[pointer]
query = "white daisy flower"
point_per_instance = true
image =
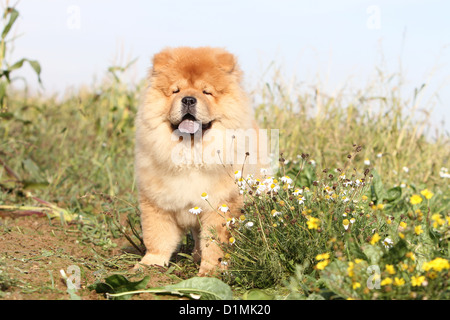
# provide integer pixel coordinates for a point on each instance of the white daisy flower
(297, 192)
(379, 155)
(367, 162)
(443, 173)
(406, 169)
(286, 179)
(204, 196)
(195, 210)
(274, 187)
(224, 208)
(300, 200)
(237, 174)
(261, 188)
(388, 243)
(231, 221)
(249, 224)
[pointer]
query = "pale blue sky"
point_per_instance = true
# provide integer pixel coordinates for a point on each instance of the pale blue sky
(331, 40)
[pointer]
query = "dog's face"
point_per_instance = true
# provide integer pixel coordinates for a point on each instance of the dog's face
(200, 87)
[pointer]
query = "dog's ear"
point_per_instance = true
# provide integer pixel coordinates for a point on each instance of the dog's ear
(228, 63)
(160, 60)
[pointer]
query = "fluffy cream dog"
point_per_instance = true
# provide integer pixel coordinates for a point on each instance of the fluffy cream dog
(194, 99)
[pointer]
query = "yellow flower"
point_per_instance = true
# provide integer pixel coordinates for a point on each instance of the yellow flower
(438, 221)
(350, 269)
(411, 256)
(364, 198)
(427, 194)
(356, 285)
(313, 223)
(358, 261)
(323, 256)
(375, 238)
(386, 281)
(403, 224)
(380, 206)
(390, 269)
(415, 199)
(322, 264)
(399, 282)
(437, 264)
(417, 281)
(232, 240)
(346, 222)
(418, 230)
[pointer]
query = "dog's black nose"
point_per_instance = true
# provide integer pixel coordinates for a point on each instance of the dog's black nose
(189, 101)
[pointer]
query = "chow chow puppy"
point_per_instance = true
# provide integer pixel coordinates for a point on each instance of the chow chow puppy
(185, 147)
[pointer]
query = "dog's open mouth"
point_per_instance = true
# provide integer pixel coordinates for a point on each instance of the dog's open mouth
(189, 124)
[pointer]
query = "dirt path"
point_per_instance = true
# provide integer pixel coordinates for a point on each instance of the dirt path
(33, 250)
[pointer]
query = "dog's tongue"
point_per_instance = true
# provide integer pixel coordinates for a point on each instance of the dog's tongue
(189, 126)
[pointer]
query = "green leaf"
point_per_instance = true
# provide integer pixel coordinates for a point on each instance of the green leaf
(33, 63)
(195, 288)
(32, 168)
(13, 14)
(119, 284)
(373, 253)
(206, 288)
(377, 188)
(257, 294)
(393, 194)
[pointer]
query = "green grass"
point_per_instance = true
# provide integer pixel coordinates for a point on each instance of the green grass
(77, 153)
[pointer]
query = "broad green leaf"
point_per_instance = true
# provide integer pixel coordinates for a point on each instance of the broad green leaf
(334, 277)
(257, 294)
(119, 284)
(377, 188)
(373, 252)
(195, 288)
(207, 288)
(393, 194)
